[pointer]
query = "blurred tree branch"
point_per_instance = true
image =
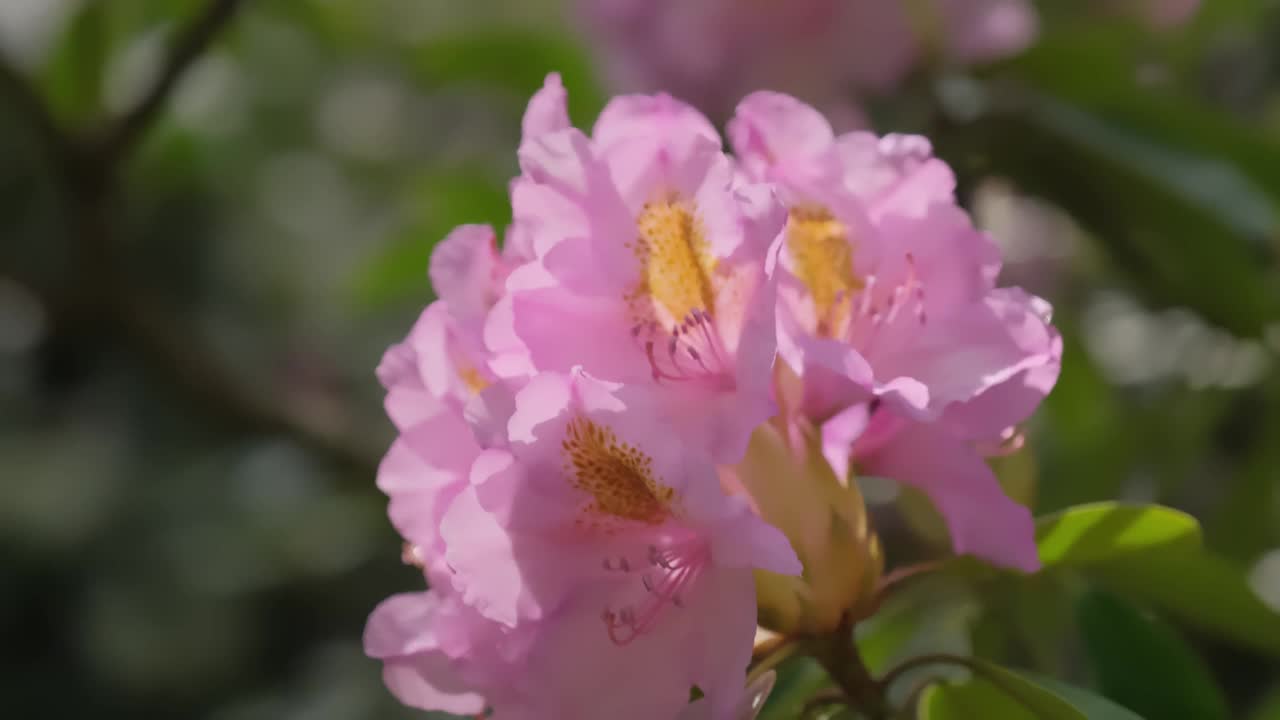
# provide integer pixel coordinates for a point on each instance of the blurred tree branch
(186, 48)
(88, 167)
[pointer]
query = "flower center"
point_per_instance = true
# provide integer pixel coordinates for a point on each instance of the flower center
(618, 477)
(473, 379)
(675, 262)
(823, 257)
(673, 304)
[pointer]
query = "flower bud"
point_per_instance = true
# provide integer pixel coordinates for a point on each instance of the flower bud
(794, 489)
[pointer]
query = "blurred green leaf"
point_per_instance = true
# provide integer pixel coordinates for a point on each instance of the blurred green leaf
(1187, 228)
(1093, 706)
(1269, 707)
(798, 680)
(439, 203)
(73, 76)
(516, 61)
(1203, 590)
(1153, 554)
(994, 693)
(1142, 664)
(928, 614)
(1110, 532)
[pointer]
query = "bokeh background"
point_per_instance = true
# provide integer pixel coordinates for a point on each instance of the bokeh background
(198, 277)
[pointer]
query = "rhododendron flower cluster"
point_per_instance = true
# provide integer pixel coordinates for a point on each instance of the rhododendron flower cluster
(641, 414)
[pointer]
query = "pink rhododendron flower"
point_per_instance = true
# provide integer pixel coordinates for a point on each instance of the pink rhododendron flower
(440, 654)
(651, 265)
(613, 540)
(429, 378)
(591, 467)
(713, 52)
(907, 354)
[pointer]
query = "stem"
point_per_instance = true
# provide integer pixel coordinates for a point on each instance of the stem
(839, 656)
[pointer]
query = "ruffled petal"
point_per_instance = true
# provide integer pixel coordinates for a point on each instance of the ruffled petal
(983, 521)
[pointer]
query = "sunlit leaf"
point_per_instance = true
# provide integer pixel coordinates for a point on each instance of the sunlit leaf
(1110, 532)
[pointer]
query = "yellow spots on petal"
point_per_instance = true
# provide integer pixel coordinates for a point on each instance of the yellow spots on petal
(823, 259)
(472, 379)
(675, 260)
(618, 476)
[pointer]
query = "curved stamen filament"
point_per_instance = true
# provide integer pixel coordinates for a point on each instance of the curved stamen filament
(671, 571)
(691, 351)
(869, 317)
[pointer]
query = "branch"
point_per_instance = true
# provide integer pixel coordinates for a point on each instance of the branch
(838, 654)
(194, 39)
(19, 92)
(104, 294)
(194, 370)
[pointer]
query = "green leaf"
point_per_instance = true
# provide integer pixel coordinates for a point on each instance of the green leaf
(514, 60)
(928, 614)
(73, 75)
(1093, 706)
(1188, 228)
(439, 203)
(1109, 532)
(1200, 589)
(994, 693)
(1142, 664)
(798, 680)
(1153, 554)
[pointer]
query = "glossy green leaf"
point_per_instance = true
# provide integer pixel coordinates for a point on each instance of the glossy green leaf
(1201, 590)
(798, 680)
(1153, 554)
(1142, 664)
(1110, 532)
(994, 693)
(1094, 707)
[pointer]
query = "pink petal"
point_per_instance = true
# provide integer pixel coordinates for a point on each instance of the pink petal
(562, 330)
(984, 30)
(424, 470)
(464, 267)
(982, 519)
(630, 116)
(839, 434)
(993, 410)
(547, 111)
(401, 626)
(977, 348)
(770, 128)
(429, 682)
